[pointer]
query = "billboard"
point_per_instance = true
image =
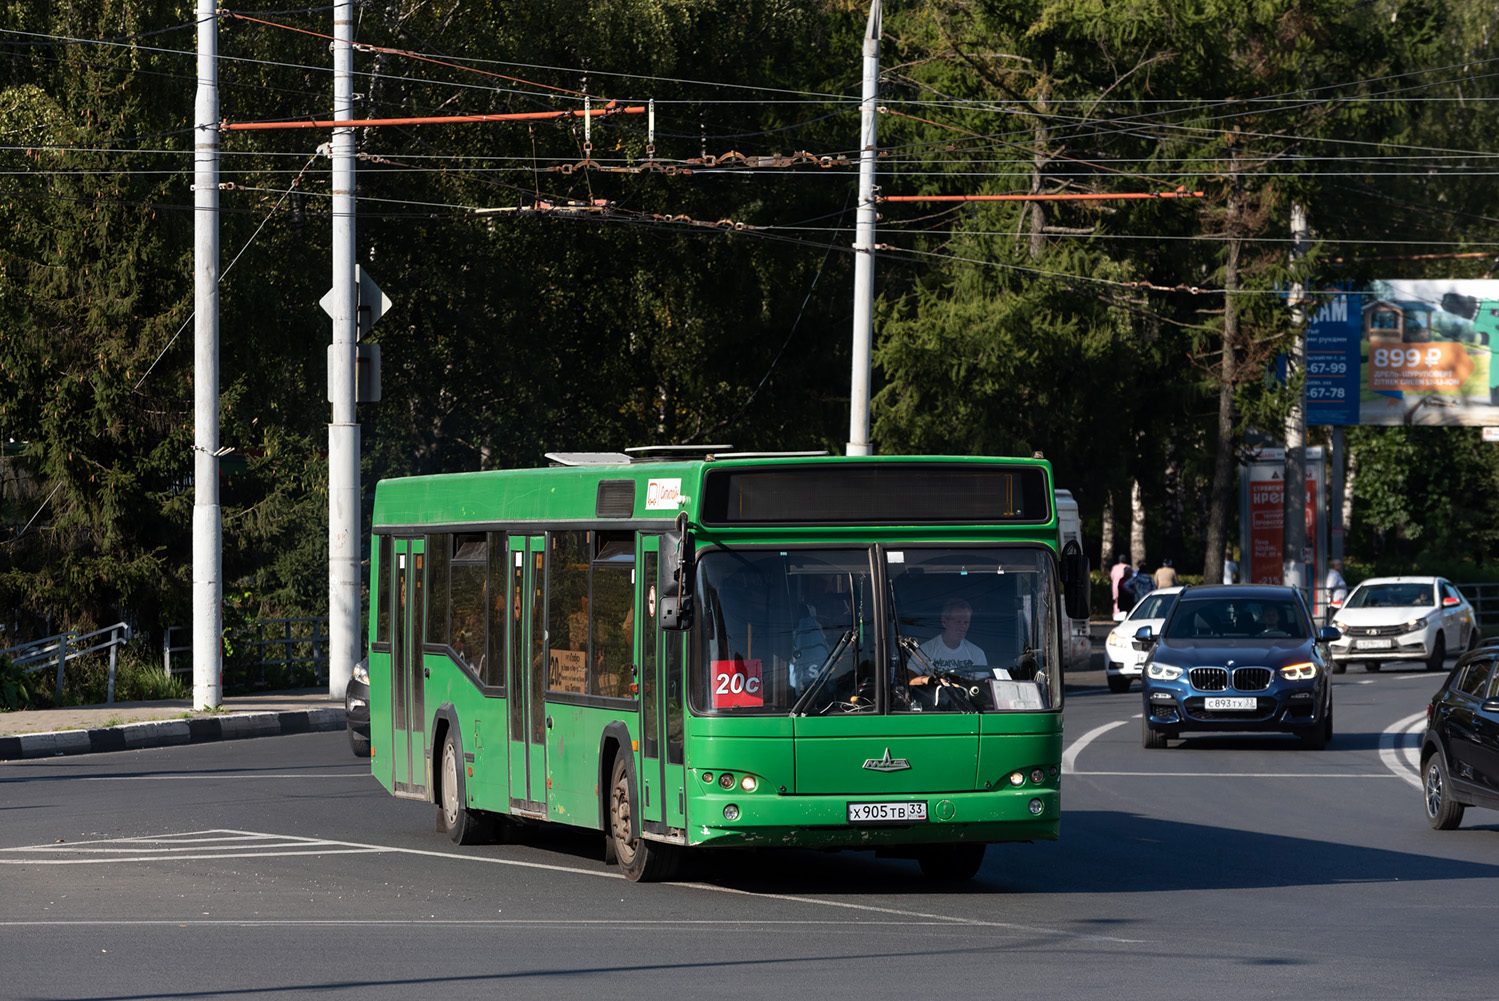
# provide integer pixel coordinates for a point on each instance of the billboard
(1405, 352)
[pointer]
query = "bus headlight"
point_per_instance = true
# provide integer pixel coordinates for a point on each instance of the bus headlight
(748, 783)
(731, 812)
(1036, 806)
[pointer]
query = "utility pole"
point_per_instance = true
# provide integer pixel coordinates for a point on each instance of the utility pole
(208, 526)
(858, 404)
(1293, 539)
(343, 433)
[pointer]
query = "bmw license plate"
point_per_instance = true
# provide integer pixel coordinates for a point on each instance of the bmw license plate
(1373, 644)
(886, 813)
(1229, 703)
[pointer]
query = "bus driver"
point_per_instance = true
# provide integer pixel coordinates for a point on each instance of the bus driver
(950, 650)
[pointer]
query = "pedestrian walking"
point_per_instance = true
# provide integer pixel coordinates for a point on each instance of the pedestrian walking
(1116, 574)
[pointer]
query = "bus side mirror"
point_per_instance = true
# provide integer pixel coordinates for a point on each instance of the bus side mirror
(1075, 583)
(675, 612)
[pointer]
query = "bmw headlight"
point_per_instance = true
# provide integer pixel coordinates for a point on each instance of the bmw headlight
(1157, 671)
(1299, 672)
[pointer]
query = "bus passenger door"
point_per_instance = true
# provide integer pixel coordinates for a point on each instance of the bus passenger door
(663, 773)
(408, 713)
(652, 778)
(527, 639)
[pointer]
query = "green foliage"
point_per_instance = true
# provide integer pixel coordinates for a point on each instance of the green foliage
(1424, 495)
(15, 686)
(1066, 327)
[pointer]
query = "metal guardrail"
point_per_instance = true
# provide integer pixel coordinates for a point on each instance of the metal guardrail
(297, 645)
(68, 646)
(1485, 601)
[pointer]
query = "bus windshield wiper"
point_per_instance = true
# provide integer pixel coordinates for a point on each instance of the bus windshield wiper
(822, 672)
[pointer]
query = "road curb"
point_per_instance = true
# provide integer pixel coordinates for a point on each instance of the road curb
(165, 733)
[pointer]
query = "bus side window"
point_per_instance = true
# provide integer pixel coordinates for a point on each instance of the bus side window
(612, 624)
(438, 548)
(567, 612)
(380, 599)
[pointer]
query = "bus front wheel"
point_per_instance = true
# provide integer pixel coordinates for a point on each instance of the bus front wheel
(462, 825)
(642, 861)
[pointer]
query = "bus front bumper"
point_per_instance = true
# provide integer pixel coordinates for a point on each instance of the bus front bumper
(1024, 814)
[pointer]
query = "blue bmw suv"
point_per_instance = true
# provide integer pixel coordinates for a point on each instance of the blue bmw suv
(1237, 658)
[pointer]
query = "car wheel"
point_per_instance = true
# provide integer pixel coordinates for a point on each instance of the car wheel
(1339, 666)
(642, 861)
(951, 862)
(1372, 666)
(462, 825)
(1150, 739)
(1118, 683)
(1317, 737)
(1438, 654)
(1473, 638)
(1442, 811)
(359, 744)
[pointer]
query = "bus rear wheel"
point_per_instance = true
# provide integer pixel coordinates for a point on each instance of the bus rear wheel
(951, 862)
(642, 861)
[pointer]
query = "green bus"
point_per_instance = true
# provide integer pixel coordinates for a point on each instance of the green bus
(702, 649)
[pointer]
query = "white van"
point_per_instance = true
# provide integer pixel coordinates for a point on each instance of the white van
(1078, 646)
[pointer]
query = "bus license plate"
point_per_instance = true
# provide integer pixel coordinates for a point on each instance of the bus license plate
(1230, 703)
(886, 813)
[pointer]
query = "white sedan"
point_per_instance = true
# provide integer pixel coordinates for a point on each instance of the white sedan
(1403, 618)
(1122, 662)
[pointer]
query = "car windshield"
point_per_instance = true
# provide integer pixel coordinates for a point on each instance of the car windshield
(1236, 618)
(800, 631)
(1402, 595)
(1153, 606)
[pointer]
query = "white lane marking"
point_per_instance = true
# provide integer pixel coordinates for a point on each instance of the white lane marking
(480, 922)
(221, 778)
(1242, 775)
(1069, 756)
(1400, 747)
(952, 921)
(87, 852)
(234, 842)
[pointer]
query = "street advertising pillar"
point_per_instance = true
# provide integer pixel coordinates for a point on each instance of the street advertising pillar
(1262, 520)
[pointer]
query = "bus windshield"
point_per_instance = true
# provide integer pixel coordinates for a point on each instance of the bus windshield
(802, 631)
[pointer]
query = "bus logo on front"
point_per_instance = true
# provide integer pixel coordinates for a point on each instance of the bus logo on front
(887, 763)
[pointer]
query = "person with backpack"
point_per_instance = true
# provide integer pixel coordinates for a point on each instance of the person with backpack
(1141, 583)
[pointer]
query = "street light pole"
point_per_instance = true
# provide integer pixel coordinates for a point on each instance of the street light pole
(858, 404)
(343, 432)
(208, 526)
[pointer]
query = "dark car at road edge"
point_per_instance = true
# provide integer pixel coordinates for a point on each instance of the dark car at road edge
(357, 709)
(1460, 751)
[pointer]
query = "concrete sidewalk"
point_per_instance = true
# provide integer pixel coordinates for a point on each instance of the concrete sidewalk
(122, 726)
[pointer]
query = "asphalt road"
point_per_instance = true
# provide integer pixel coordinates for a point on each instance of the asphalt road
(1229, 867)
